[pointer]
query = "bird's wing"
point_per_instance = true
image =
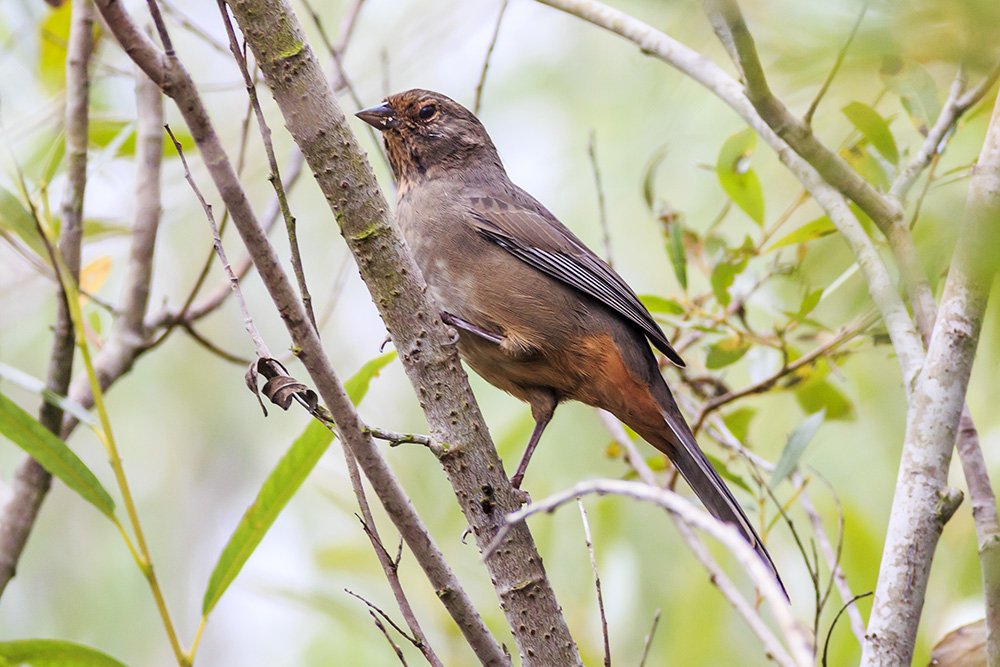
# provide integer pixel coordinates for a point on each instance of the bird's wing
(529, 232)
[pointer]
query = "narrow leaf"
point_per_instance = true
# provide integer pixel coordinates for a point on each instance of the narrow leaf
(916, 89)
(15, 217)
(278, 489)
(53, 653)
(33, 384)
(725, 474)
(24, 431)
(658, 304)
(867, 166)
(726, 352)
(649, 177)
(737, 178)
(357, 386)
(675, 249)
(795, 446)
(810, 231)
(874, 128)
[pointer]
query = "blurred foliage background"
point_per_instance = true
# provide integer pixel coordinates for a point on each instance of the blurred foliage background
(196, 446)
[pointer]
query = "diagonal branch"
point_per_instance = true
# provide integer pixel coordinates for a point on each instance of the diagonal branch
(318, 126)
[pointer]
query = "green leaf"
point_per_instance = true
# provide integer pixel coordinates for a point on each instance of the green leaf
(53, 38)
(795, 446)
(809, 302)
(675, 249)
(726, 352)
(94, 228)
(278, 489)
(819, 394)
(737, 178)
(874, 128)
(14, 217)
(53, 653)
(722, 278)
(738, 422)
(34, 385)
(658, 304)
(24, 431)
(724, 473)
(357, 386)
(867, 166)
(816, 229)
(119, 135)
(916, 89)
(649, 177)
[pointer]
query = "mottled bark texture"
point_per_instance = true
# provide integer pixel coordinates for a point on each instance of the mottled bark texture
(318, 125)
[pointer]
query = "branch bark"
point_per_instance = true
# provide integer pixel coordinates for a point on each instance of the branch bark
(318, 125)
(932, 421)
(31, 481)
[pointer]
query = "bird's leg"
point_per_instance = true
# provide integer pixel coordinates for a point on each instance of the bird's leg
(542, 414)
(459, 323)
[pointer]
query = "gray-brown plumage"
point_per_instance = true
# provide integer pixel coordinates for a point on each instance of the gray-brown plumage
(538, 314)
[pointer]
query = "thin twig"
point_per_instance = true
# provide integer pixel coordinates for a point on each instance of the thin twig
(789, 367)
(807, 118)
(275, 175)
(486, 61)
(602, 209)
(649, 639)
(31, 481)
(597, 582)
(847, 605)
(258, 342)
(696, 518)
(958, 102)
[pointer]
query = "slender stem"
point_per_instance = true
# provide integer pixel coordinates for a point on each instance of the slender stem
(486, 61)
(807, 118)
(106, 437)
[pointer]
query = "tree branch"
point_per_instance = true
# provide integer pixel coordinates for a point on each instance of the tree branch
(31, 481)
(696, 518)
(316, 122)
(904, 337)
(933, 419)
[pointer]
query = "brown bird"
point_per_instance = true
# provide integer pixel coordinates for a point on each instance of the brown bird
(538, 314)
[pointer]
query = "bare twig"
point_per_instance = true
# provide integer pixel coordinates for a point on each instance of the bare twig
(326, 129)
(695, 518)
(959, 101)
(31, 481)
(807, 118)
(597, 582)
(880, 283)
(389, 565)
(847, 605)
(486, 61)
(649, 638)
(275, 175)
(984, 511)
(602, 209)
(788, 367)
(260, 347)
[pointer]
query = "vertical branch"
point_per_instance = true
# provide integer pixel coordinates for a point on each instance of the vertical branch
(935, 408)
(984, 512)
(31, 481)
(486, 61)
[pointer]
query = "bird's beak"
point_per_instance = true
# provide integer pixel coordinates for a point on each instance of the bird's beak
(381, 117)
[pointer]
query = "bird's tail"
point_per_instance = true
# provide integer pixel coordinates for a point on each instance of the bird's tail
(679, 444)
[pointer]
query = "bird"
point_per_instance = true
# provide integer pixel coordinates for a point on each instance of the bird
(537, 313)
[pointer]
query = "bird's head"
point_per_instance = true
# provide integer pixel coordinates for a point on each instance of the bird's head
(428, 134)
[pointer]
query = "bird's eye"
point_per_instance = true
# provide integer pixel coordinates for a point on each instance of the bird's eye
(427, 111)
